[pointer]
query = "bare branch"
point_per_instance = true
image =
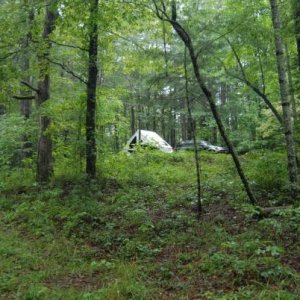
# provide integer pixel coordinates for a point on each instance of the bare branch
(66, 69)
(161, 13)
(126, 39)
(263, 96)
(30, 86)
(69, 46)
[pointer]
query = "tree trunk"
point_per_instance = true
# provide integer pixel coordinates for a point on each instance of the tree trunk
(25, 104)
(188, 43)
(163, 124)
(214, 135)
(291, 85)
(154, 119)
(284, 95)
(91, 91)
(193, 126)
(296, 10)
(44, 162)
(132, 120)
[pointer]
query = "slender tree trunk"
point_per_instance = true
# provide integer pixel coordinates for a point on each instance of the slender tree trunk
(163, 124)
(214, 135)
(132, 120)
(172, 128)
(284, 95)
(183, 126)
(91, 91)
(296, 10)
(188, 43)
(154, 119)
(45, 167)
(291, 85)
(193, 126)
(26, 104)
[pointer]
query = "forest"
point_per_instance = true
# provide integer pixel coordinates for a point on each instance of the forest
(149, 149)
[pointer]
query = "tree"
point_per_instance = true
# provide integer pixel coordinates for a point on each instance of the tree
(185, 37)
(44, 162)
(91, 90)
(284, 96)
(296, 12)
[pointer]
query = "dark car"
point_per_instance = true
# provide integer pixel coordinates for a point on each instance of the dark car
(202, 145)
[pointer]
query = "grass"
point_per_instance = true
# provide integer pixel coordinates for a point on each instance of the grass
(134, 235)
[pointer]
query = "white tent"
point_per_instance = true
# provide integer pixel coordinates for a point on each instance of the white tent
(148, 138)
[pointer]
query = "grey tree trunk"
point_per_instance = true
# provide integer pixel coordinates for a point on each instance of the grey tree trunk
(284, 95)
(193, 129)
(132, 120)
(296, 11)
(25, 104)
(44, 162)
(291, 85)
(91, 92)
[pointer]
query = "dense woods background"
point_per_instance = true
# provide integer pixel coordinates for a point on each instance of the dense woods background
(78, 78)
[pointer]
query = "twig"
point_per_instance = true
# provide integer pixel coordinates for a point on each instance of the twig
(69, 46)
(67, 70)
(30, 86)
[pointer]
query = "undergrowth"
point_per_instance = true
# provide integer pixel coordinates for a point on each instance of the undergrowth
(132, 234)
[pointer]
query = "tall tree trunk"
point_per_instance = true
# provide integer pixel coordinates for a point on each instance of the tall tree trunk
(154, 119)
(44, 162)
(163, 124)
(214, 135)
(25, 104)
(193, 126)
(291, 84)
(172, 139)
(284, 95)
(296, 10)
(91, 91)
(183, 126)
(132, 120)
(188, 43)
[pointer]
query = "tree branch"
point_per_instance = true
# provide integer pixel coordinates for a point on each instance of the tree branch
(24, 97)
(69, 46)
(126, 39)
(9, 54)
(245, 80)
(30, 86)
(67, 70)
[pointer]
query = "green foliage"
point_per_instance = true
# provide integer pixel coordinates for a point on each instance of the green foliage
(268, 173)
(12, 128)
(138, 238)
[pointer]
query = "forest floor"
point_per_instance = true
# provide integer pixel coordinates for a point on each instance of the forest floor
(134, 234)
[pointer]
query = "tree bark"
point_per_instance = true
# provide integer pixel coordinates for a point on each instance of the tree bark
(25, 105)
(284, 96)
(132, 120)
(291, 85)
(91, 91)
(163, 124)
(296, 11)
(44, 162)
(188, 43)
(193, 128)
